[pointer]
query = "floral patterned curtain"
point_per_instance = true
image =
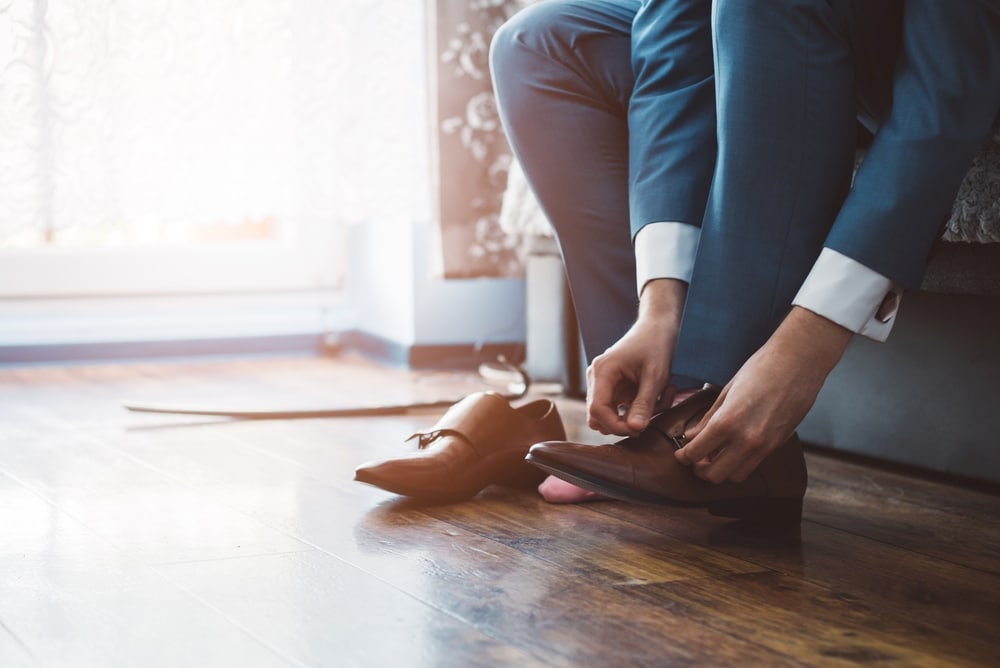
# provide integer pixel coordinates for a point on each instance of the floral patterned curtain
(473, 155)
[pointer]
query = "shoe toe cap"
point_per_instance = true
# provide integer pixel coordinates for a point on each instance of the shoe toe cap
(597, 460)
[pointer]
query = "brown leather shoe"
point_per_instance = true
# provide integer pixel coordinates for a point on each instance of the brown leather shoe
(644, 469)
(480, 441)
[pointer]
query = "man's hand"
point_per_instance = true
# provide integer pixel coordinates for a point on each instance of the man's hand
(634, 371)
(767, 398)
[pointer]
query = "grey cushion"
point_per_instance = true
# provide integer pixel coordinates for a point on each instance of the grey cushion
(976, 214)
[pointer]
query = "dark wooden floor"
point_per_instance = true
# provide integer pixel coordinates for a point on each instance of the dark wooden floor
(145, 540)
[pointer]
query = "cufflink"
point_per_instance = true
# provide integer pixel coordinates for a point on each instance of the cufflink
(887, 309)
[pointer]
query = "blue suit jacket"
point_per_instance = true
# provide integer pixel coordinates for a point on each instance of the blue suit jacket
(945, 98)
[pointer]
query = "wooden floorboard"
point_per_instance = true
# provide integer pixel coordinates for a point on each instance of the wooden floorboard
(159, 540)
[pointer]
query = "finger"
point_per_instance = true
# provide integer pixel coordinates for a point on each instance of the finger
(705, 436)
(603, 400)
(599, 400)
(703, 445)
(720, 466)
(693, 430)
(606, 426)
(644, 404)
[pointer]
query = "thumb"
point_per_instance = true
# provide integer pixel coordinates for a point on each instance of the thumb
(642, 407)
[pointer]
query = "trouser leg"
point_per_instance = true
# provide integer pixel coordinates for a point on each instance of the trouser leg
(785, 72)
(562, 75)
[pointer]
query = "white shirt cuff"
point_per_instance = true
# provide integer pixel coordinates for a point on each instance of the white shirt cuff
(665, 250)
(850, 294)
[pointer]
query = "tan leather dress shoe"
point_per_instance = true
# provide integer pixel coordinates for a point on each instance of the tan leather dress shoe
(480, 441)
(643, 469)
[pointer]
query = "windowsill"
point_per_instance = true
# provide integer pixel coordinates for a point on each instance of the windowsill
(38, 330)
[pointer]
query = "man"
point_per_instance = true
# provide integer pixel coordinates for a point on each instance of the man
(702, 154)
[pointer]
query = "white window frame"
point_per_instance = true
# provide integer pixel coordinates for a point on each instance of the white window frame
(78, 296)
(313, 261)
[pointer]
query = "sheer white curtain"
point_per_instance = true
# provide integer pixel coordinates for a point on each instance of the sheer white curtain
(180, 124)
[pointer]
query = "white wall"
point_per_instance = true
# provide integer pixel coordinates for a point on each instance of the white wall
(396, 295)
(392, 279)
(459, 311)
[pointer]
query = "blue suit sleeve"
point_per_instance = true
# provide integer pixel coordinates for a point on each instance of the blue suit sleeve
(946, 94)
(671, 114)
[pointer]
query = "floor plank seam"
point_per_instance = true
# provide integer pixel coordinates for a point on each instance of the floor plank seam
(235, 623)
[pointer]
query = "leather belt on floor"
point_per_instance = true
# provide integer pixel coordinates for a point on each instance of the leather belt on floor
(515, 390)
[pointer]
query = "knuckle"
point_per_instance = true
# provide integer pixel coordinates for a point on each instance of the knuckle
(724, 425)
(754, 439)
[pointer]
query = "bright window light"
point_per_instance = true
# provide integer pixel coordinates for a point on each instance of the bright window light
(149, 146)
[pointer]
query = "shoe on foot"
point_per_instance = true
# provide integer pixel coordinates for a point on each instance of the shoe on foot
(643, 469)
(557, 490)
